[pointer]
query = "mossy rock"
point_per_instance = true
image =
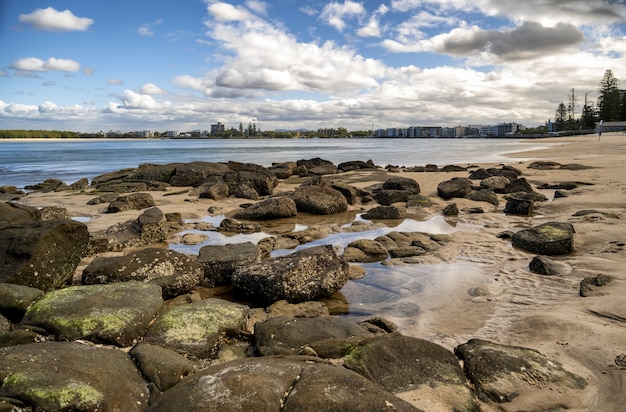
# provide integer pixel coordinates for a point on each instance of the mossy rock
(553, 238)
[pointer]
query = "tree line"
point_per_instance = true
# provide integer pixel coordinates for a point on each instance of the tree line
(37, 134)
(610, 106)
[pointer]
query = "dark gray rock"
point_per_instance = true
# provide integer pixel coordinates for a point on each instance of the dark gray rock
(484, 195)
(546, 266)
(455, 187)
(502, 373)
(451, 210)
(162, 366)
(195, 173)
(589, 285)
(43, 255)
(552, 238)
(402, 183)
(69, 376)
(133, 201)
(518, 185)
(288, 335)
(356, 165)
(197, 328)
(521, 207)
(15, 299)
(495, 183)
(272, 208)
(389, 197)
(479, 174)
(119, 313)
(213, 187)
(385, 212)
(319, 200)
(304, 275)
(15, 213)
(48, 185)
(219, 262)
(402, 364)
(418, 201)
(285, 384)
(174, 272)
(373, 249)
(351, 193)
(234, 226)
(453, 168)
(544, 165)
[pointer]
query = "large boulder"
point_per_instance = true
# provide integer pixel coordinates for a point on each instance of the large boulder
(385, 212)
(373, 249)
(402, 183)
(119, 313)
(522, 207)
(288, 335)
(196, 328)
(150, 227)
(356, 165)
(278, 384)
(319, 200)
(162, 366)
(272, 208)
(455, 187)
(307, 274)
(219, 262)
(133, 201)
(388, 197)
(484, 195)
(504, 374)
(195, 173)
(175, 272)
(247, 175)
(43, 255)
(15, 299)
(214, 187)
(415, 370)
(15, 213)
(553, 238)
(69, 376)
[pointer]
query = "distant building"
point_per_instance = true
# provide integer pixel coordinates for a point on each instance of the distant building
(327, 132)
(144, 133)
(172, 133)
(217, 129)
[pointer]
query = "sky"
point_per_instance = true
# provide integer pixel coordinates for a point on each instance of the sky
(287, 64)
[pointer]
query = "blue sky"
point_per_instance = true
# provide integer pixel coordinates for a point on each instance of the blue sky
(164, 65)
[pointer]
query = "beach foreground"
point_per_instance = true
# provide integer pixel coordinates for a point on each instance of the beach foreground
(503, 301)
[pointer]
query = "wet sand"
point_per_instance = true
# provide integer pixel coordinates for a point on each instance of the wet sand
(479, 286)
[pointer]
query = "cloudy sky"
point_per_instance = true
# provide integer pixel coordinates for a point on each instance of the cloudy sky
(165, 65)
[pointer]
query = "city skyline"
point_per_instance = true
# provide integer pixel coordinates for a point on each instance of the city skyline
(159, 65)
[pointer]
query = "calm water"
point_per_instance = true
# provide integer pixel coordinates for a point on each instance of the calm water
(29, 162)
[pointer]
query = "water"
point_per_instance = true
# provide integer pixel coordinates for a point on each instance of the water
(27, 162)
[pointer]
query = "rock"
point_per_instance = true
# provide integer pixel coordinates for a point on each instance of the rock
(233, 226)
(402, 183)
(544, 165)
(552, 238)
(518, 185)
(219, 262)
(495, 183)
(176, 273)
(456, 187)
(195, 173)
(308, 309)
(406, 251)
(69, 376)
(213, 187)
(502, 374)
(196, 328)
(194, 238)
(453, 168)
(389, 197)
(304, 275)
(105, 198)
(521, 207)
(418, 201)
(319, 200)
(505, 172)
(589, 285)
(285, 384)
(133, 201)
(373, 249)
(16, 213)
(385, 212)
(451, 210)
(162, 366)
(48, 185)
(559, 194)
(356, 165)
(272, 208)
(80, 184)
(414, 369)
(479, 174)
(543, 265)
(43, 255)
(484, 195)
(119, 313)
(352, 254)
(287, 335)
(475, 210)
(15, 299)
(351, 193)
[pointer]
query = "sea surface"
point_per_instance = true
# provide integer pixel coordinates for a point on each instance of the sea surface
(26, 162)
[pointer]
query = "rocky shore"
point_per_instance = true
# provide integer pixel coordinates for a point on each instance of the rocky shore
(99, 311)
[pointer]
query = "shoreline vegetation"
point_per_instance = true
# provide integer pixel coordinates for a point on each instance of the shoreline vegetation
(555, 334)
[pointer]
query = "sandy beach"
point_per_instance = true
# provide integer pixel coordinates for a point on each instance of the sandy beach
(513, 305)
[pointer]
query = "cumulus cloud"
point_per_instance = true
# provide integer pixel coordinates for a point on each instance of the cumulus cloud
(54, 20)
(34, 64)
(335, 14)
(372, 28)
(150, 88)
(530, 39)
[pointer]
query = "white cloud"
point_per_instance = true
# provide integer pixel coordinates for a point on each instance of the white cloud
(150, 88)
(228, 12)
(146, 29)
(372, 28)
(52, 19)
(335, 14)
(115, 82)
(257, 6)
(34, 64)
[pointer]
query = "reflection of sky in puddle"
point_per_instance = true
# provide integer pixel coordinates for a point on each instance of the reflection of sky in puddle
(436, 225)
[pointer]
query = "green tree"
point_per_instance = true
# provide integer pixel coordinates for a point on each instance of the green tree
(609, 98)
(622, 113)
(560, 116)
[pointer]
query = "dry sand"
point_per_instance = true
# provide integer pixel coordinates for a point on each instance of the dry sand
(516, 306)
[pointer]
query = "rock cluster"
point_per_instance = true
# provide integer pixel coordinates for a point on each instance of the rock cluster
(190, 344)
